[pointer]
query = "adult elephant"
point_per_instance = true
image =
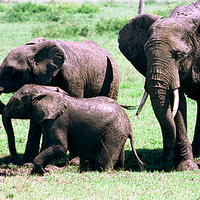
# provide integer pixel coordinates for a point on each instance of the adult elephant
(167, 52)
(82, 69)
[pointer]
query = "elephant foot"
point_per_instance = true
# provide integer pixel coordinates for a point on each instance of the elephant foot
(74, 161)
(37, 170)
(186, 165)
(25, 161)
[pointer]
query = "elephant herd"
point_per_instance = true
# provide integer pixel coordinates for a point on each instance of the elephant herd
(68, 90)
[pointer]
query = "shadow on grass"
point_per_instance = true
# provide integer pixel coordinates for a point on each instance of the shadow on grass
(153, 158)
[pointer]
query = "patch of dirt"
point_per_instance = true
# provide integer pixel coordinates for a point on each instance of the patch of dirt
(14, 170)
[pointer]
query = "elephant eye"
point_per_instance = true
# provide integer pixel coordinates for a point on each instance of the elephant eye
(177, 55)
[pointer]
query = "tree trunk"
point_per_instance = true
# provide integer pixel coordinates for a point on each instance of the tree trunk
(141, 7)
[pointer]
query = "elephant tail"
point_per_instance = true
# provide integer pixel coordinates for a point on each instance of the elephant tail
(141, 164)
(128, 107)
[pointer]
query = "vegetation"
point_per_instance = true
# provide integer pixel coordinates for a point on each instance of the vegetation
(101, 22)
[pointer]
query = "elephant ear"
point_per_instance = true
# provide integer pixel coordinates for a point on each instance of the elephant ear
(46, 61)
(35, 41)
(49, 105)
(132, 38)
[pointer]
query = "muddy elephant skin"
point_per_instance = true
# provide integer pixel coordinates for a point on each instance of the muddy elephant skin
(95, 129)
(167, 52)
(82, 69)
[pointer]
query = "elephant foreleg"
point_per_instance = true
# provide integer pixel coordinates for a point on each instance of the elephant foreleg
(183, 150)
(33, 143)
(51, 152)
(55, 145)
(196, 139)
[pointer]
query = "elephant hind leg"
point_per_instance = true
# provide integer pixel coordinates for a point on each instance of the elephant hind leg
(121, 160)
(108, 156)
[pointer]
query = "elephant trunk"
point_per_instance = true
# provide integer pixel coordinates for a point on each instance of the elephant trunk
(11, 138)
(162, 83)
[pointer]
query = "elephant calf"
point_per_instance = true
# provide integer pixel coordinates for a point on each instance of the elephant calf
(95, 129)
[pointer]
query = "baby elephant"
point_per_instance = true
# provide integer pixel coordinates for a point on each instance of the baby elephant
(95, 129)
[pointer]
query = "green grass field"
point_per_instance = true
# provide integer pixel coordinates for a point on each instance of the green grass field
(101, 22)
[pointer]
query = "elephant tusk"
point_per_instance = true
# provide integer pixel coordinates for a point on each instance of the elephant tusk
(144, 98)
(176, 103)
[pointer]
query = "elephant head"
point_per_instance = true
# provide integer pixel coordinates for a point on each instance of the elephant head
(32, 102)
(36, 62)
(167, 52)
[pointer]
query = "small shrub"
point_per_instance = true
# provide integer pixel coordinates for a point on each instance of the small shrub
(110, 25)
(73, 8)
(68, 7)
(87, 8)
(3, 8)
(52, 16)
(23, 11)
(56, 30)
(29, 7)
(151, 2)
(16, 17)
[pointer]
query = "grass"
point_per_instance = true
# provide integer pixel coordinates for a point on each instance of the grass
(159, 180)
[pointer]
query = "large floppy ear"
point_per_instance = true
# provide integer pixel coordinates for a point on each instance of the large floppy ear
(45, 61)
(48, 106)
(132, 38)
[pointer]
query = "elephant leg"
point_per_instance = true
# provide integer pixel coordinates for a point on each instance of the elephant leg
(55, 145)
(50, 153)
(33, 143)
(121, 160)
(196, 139)
(108, 155)
(183, 159)
(73, 159)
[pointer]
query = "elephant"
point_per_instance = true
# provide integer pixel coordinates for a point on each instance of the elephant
(82, 69)
(95, 129)
(166, 51)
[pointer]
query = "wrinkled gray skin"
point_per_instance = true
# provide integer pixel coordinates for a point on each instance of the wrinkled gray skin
(95, 129)
(167, 52)
(82, 69)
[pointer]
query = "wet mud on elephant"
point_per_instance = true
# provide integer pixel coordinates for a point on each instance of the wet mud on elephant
(82, 69)
(167, 52)
(95, 129)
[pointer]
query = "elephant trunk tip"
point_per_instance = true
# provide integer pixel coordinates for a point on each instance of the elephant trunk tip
(144, 98)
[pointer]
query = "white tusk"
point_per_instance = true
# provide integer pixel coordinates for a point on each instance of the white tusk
(176, 103)
(144, 98)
